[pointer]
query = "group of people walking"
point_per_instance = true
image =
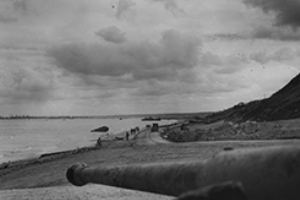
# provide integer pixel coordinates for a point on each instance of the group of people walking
(132, 132)
(128, 134)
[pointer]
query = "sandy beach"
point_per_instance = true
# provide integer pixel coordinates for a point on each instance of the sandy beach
(48, 173)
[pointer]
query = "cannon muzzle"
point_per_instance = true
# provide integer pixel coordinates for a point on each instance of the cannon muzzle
(266, 174)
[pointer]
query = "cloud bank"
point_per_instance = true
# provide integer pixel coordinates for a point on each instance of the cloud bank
(104, 57)
(287, 12)
(112, 34)
(172, 6)
(139, 60)
(123, 6)
(25, 85)
(275, 33)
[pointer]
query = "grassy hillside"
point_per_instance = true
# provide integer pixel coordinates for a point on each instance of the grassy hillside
(284, 104)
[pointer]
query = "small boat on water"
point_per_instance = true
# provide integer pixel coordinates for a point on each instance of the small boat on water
(101, 129)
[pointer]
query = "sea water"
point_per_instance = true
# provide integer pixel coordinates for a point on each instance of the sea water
(22, 139)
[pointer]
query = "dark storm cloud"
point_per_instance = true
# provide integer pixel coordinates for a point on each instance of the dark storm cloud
(112, 34)
(141, 61)
(287, 12)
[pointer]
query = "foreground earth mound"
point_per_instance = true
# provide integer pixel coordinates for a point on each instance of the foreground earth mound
(90, 192)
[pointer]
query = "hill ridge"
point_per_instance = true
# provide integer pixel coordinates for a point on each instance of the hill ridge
(283, 104)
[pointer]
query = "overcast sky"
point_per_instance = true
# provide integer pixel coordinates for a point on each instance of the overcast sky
(98, 57)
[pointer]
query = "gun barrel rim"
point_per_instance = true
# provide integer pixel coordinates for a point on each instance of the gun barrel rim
(73, 175)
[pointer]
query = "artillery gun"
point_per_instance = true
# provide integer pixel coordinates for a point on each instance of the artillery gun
(256, 174)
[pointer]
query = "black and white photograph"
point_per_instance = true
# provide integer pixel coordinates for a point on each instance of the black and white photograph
(150, 99)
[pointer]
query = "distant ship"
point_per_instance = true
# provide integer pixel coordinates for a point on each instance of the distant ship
(151, 119)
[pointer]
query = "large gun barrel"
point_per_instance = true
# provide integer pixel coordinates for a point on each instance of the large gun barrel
(266, 174)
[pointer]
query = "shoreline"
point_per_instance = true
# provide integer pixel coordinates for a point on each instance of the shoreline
(18, 146)
(111, 139)
(44, 157)
(50, 170)
(106, 138)
(144, 147)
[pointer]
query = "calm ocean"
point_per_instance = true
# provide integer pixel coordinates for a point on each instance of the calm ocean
(20, 139)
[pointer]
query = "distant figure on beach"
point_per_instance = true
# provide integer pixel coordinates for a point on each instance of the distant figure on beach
(127, 135)
(99, 142)
(132, 131)
(183, 127)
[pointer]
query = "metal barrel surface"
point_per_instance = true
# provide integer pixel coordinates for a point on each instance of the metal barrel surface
(266, 174)
(221, 191)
